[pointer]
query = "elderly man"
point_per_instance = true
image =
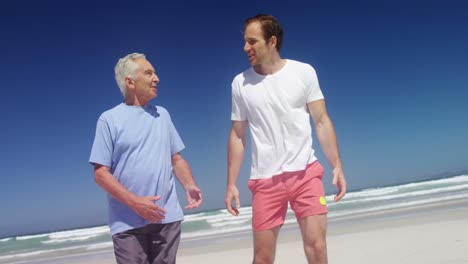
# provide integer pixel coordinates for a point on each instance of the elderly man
(136, 152)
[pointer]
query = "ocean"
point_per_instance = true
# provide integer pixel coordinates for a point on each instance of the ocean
(215, 222)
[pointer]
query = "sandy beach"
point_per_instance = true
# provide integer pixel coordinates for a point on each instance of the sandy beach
(435, 233)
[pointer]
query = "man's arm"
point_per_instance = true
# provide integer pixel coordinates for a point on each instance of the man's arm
(184, 174)
(144, 206)
(327, 139)
(236, 148)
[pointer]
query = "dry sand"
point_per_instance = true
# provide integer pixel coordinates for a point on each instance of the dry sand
(427, 234)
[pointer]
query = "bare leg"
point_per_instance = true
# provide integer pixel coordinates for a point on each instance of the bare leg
(314, 229)
(265, 245)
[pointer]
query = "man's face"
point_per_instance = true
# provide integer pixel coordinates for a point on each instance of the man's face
(255, 45)
(145, 81)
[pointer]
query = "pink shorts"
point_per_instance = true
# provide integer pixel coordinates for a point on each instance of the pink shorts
(302, 189)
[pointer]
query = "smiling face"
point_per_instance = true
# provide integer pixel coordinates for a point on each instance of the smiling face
(258, 50)
(144, 84)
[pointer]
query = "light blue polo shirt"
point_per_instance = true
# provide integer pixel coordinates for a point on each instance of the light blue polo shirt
(137, 143)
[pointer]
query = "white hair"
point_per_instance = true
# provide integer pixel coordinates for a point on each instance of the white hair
(126, 67)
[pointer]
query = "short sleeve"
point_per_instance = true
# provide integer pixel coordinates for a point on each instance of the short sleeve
(313, 91)
(177, 145)
(103, 147)
(238, 110)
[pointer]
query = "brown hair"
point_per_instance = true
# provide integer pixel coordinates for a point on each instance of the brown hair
(270, 28)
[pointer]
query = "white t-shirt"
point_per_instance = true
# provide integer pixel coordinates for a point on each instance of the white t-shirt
(275, 106)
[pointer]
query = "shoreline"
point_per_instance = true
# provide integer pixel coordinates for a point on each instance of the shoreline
(415, 234)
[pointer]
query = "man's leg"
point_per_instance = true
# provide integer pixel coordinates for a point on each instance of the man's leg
(165, 240)
(307, 200)
(314, 229)
(269, 206)
(130, 247)
(265, 245)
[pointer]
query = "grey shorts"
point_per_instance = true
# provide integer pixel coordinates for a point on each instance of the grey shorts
(151, 244)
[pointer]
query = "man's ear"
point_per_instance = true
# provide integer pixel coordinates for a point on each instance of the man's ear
(129, 83)
(273, 41)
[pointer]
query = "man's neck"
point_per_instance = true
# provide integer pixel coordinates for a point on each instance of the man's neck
(133, 100)
(271, 66)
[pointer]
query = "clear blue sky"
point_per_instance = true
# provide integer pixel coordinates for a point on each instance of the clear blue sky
(394, 77)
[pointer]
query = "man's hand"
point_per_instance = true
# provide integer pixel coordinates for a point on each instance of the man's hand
(232, 194)
(340, 181)
(145, 207)
(194, 197)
